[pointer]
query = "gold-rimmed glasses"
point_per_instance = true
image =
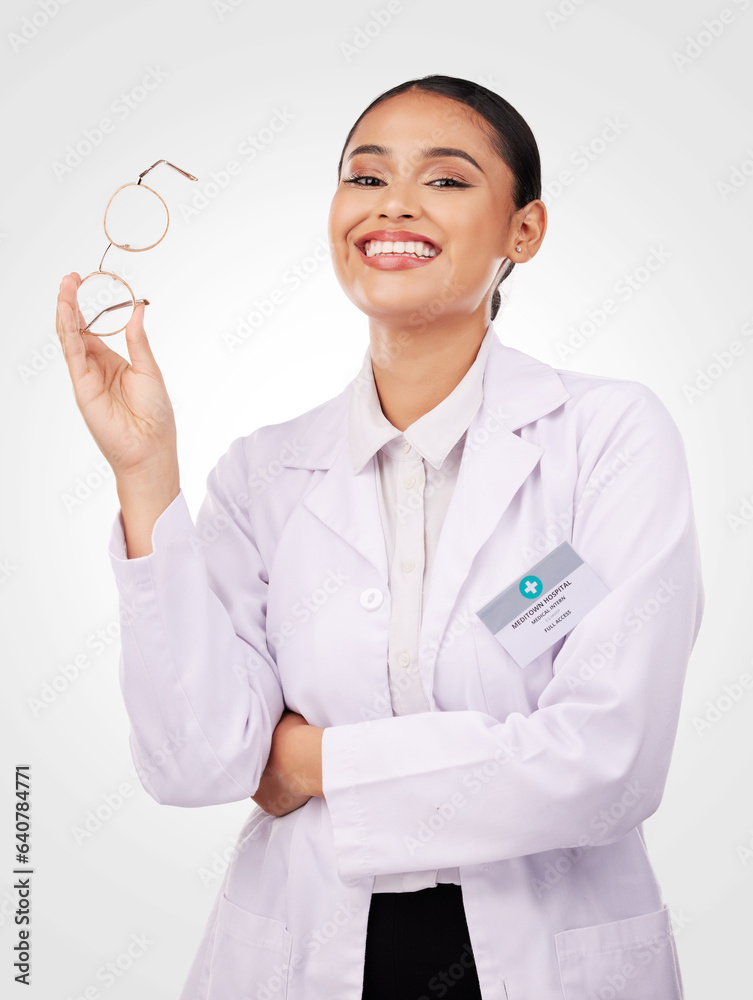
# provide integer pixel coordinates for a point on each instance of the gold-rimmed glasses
(136, 219)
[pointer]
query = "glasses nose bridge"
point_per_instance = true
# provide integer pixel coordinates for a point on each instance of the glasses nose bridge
(102, 260)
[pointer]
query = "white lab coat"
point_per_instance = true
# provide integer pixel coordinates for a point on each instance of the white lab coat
(534, 781)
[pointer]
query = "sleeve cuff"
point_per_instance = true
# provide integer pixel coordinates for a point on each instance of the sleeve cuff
(175, 522)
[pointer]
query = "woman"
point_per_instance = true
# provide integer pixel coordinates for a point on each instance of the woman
(442, 810)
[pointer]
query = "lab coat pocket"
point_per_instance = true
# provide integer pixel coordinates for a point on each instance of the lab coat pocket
(633, 959)
(250, 955)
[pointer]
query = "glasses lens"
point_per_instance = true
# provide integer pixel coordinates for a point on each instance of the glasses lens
(105, 303)
(136, 218)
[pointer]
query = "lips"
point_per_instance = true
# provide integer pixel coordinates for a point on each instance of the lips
(393, 236)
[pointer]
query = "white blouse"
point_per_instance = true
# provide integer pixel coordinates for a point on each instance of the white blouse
(416, 473)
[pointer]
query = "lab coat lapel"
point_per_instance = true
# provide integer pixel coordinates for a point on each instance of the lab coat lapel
(494, 465)
(348, 505)
(342, 501)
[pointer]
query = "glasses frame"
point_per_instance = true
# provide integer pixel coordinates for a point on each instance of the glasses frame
(124, 246)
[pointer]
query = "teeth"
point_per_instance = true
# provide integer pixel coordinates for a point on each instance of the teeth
(415, 248)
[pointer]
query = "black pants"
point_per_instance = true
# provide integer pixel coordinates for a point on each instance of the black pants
(418, 947)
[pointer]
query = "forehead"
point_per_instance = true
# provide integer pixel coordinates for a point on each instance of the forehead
(419, 118)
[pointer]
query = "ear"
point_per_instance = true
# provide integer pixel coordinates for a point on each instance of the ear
(529, 231)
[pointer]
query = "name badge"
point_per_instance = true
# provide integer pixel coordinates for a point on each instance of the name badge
(539, 608)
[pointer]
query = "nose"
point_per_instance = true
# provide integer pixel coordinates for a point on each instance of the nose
(400, 200)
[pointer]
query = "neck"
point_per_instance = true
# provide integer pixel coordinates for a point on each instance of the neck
(415, 368)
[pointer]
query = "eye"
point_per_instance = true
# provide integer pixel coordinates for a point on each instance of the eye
(357, 178)
(448, 182)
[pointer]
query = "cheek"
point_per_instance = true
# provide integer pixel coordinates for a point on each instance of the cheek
(337, 230)
(333, 222)
(478, 254)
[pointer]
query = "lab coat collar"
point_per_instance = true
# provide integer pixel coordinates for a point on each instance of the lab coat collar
(517, 388)
(433, 435)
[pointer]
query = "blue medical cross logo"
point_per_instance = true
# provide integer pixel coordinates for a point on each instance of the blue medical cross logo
(531, 586)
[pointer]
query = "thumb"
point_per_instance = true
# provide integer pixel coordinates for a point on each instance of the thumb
(139, 351)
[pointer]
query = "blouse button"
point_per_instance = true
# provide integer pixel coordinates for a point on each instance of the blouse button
(408, 566)
(404, 659)
(409, 482)
(372, 599)
(406, 448)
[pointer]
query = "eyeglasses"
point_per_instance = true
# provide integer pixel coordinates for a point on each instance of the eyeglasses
(136, 219)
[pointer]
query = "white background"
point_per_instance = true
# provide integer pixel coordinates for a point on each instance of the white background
(685, 125)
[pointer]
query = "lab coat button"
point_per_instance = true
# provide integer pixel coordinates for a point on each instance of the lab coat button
(409, 482)
(404, 659)
(372, 599)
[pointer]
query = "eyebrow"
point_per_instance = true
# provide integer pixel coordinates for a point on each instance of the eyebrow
(428, 152)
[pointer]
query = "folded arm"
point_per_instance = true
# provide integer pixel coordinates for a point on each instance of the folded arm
(438, 789)
(200, 687)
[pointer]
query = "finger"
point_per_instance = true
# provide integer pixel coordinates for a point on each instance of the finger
(138, 346)
(93, 345)
(68, 289)
(72, 342)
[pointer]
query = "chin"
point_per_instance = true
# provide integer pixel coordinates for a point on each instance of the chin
(400, 313)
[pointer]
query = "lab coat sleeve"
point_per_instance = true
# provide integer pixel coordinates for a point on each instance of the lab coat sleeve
(200, 687)
(438, 789)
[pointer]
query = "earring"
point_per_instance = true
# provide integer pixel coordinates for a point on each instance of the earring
(518, 249)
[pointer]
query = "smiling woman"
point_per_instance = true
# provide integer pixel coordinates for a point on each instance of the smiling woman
(437, 808)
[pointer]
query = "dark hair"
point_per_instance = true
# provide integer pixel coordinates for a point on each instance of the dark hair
(510, 135)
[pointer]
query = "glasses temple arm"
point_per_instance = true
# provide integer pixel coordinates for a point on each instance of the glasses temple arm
(184, 172)
(120, 305)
